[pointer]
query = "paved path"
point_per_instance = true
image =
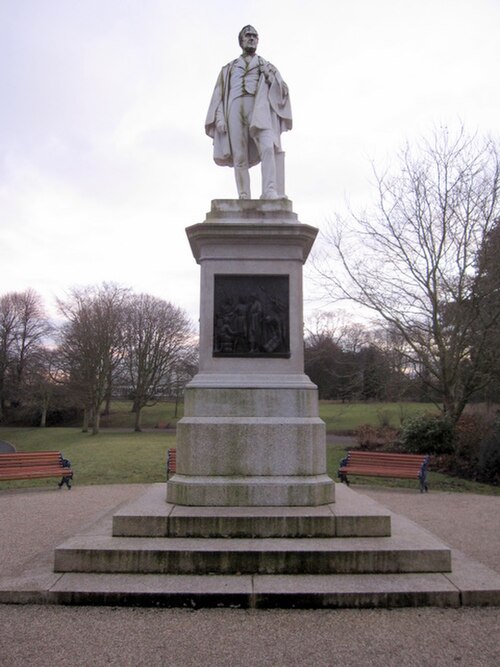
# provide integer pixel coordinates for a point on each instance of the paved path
(32, 522)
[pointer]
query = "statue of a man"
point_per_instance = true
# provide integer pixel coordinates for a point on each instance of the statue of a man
(249, 110)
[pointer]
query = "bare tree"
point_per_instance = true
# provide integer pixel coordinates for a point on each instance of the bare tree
(352, 361)
(92, 344)
(332, 346)
(23, 330)
(7, 339)
(412, 260)
(184, 370)
(41, 388)
(156, 336)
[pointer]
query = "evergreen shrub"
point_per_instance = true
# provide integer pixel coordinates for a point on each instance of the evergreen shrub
(427, 434)
(488, 466)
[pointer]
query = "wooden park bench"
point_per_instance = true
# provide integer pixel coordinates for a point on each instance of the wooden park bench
(35, 465)
(385, 464)
(171, 461)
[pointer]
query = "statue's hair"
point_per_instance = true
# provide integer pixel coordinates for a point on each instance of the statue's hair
(240, 34)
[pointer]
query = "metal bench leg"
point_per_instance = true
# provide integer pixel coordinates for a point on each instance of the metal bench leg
(65, 480)
(343, 478)
(423, 484)
(423, 475)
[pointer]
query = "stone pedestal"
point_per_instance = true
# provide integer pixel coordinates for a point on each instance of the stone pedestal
(251, 434)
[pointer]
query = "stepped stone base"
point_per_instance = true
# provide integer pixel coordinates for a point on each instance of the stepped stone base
(150, 536)
(247, 556)
(352, 536)
(409, 567)
(352, 515)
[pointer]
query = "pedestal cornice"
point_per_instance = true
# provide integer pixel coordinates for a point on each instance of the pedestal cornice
(251, 222)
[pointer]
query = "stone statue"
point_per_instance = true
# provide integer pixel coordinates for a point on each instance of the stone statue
(249, 110)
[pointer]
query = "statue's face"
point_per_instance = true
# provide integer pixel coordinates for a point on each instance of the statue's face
(249, 40)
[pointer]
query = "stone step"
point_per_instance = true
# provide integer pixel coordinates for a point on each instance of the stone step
(410, 549)
(352, 515)
(261, 591)
(470, 583)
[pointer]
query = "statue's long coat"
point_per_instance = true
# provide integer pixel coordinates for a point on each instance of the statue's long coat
(272, 111)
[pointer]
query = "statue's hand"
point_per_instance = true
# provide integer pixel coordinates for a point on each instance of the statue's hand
(221, 126)
(268, 72)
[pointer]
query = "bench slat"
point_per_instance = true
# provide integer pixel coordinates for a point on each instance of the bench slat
(27, 458)
(380, 472)
(33, 464)
(36, 474)
(382, 456)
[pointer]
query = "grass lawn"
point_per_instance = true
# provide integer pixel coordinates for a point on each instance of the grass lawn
(106, 458)
(155, 416)
(131, 458)
(337, 416)
(348, 416)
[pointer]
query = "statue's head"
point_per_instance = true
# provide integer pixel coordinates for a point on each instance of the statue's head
(248, 39)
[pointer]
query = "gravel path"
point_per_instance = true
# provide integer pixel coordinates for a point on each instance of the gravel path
(31, 525)
(465, 521)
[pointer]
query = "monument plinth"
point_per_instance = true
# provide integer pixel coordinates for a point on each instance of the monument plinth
(251, 504)
(251, 434)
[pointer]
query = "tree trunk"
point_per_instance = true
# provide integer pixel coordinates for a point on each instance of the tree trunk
(85, 425)
(453, 408)
(137, 425)
(97, 419)
(107, 398)
(107, 406)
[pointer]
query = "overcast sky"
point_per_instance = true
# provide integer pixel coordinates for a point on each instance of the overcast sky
(103, 157)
